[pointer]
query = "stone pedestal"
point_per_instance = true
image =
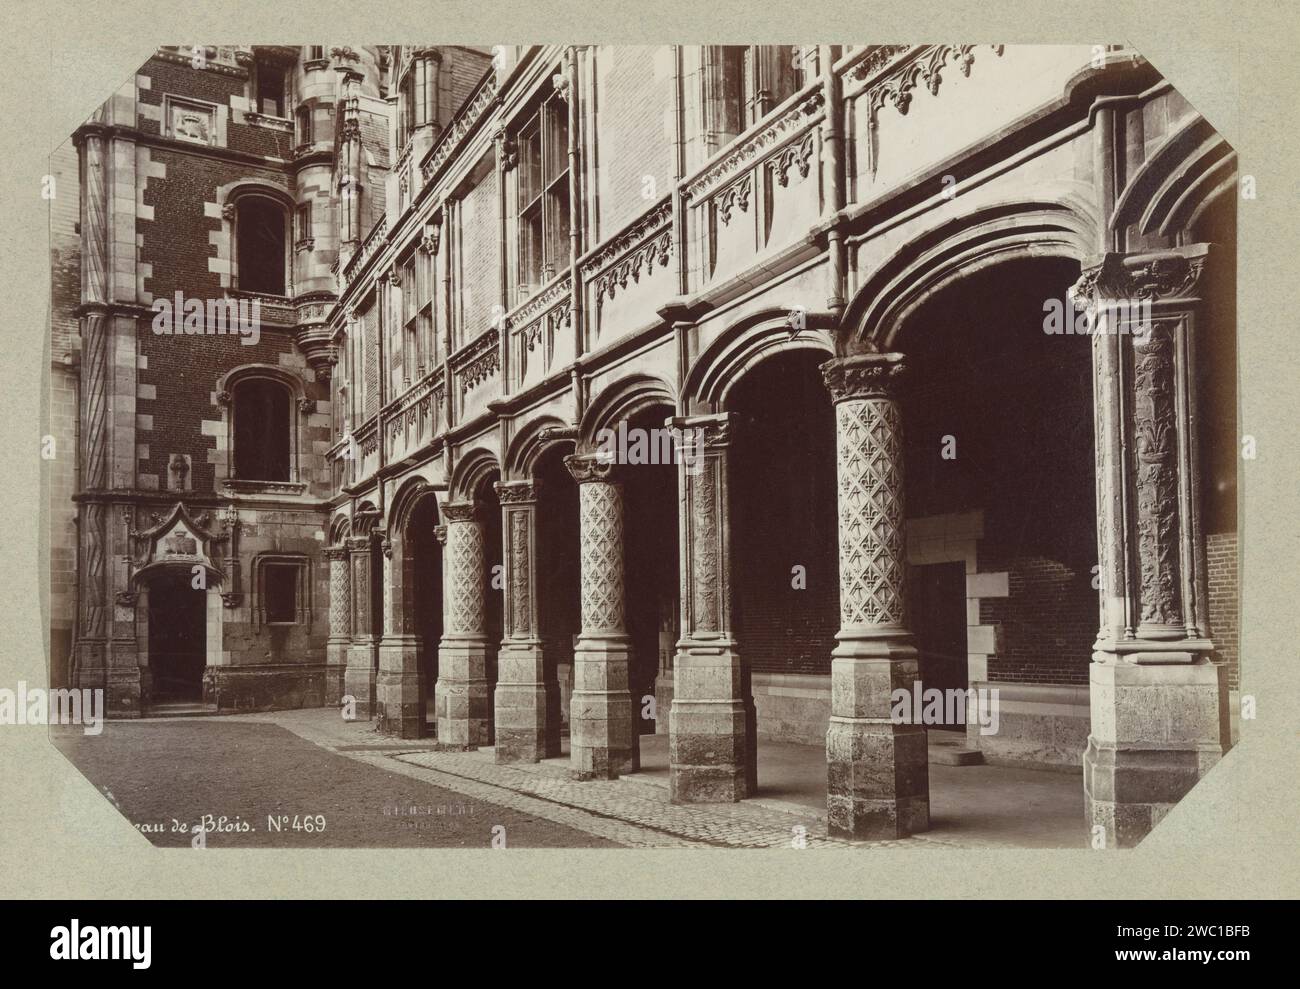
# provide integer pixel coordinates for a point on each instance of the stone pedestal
(399, 686)
(1156, 730)
(712, 750)
(1160, 715)
(603, 740)
(878, 782)
(461, 698)
(527, 702)
(359, 676)
(340, 637)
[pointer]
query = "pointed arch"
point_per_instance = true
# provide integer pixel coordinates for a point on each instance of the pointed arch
(472, 469)
(527, 447)
(1190, 169)
(1050, 226)
(413, 489)
(743, 346)
(621, 400)
(340, 529)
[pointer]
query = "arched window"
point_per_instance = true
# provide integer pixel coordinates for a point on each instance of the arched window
(261, 228)
(262, 430)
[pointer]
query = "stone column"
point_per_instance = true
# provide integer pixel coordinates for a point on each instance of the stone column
(878, 772)
(340, 637)
(603, 741)
(359, 677)
(1160, 715)
(712, 750)
(461, 693)
(399, 690)
(527, 705)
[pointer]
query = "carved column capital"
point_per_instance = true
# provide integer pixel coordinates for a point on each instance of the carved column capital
(865, 376)
(516, 492)
(587, 468)
(460, 511)
(1162, 277)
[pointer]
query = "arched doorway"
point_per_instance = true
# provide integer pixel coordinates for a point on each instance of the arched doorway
(650, 559)
(426, 596)
(1000, 496)
(177, 615)
(559, 564)
(784, 534)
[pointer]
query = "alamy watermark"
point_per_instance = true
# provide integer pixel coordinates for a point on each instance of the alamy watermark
(206, 317)
(634, 445)
(1065, 317)
(38, 706)
(955, 706)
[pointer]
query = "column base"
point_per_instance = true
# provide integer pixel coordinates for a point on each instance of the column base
(878, 772)
(1156, 730)
(602, 737)
(663, 701)
(399, 688)
(877, 780)
(359, 680)
(462, 702)
(336, 664)
(711, 755)
(527, 706)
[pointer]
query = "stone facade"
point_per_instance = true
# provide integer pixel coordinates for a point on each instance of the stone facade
(707, 389)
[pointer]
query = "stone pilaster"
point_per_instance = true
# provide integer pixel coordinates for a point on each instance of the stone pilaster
(712, 746)
(527, 708)
(340, 637)
(603, 742)
(878, 771)
(1160, 715)
(359, 677)
(461, 697)
(399, 687)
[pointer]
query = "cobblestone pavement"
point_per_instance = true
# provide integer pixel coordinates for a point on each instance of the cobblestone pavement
(166, 775)
(630, 811)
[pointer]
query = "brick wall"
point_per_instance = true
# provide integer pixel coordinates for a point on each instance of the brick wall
(633, 98)
(1225, 628)
(480, 262)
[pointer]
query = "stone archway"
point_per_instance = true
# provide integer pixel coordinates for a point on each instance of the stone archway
(413, 616)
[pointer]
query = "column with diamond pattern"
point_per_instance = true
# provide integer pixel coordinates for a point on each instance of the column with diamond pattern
(461, 695)
(877, 770)
(603, 741)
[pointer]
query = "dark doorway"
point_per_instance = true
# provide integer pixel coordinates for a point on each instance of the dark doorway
(177, 639)
(493, 583)
(426, 599)
(558, 563)
(936, 596)
(650, 562)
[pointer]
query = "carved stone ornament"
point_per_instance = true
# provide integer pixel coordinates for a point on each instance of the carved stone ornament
(516, 492)
(463, 511)
(864, 376)
(1159, 277)
(589, 468)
